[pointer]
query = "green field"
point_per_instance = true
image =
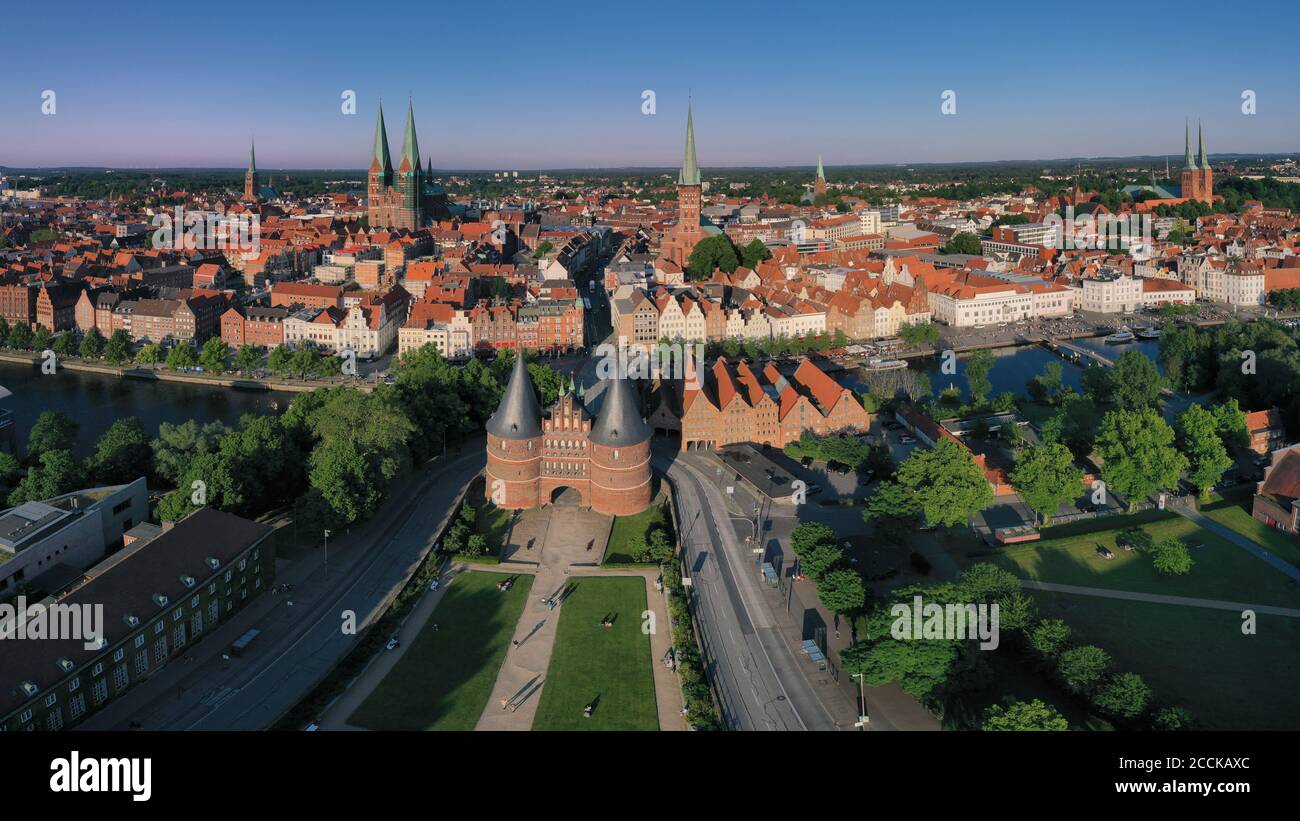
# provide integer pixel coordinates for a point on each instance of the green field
(1222, 570)
(1195, 657)
(627, 527)
(445, 677)
(609, 666)
(1239, 519)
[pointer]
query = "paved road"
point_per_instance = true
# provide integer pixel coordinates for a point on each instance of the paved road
(1158, 598)
(757, 677)
(302, 641)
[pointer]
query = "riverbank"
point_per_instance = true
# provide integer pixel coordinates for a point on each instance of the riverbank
(160, 375)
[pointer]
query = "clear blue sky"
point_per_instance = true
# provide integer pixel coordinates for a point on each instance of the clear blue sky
(507, 85)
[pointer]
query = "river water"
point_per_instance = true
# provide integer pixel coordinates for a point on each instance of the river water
(95, 401)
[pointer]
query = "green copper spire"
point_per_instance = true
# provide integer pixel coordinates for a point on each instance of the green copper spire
(381, 144)
(252, 157)
(1200, 138)
(410, 148)
(690, 174)
(1189, 164)
(821, 172)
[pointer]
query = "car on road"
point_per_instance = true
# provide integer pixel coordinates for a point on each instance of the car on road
(393, 644)
(433, 585)
(907, 439)
(311, 728)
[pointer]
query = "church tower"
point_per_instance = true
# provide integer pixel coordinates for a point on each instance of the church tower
(380, 177)
(682, 239)
(819, 186)
(250, 176)
(514, 443)
(1206, 187)
(1191, 177)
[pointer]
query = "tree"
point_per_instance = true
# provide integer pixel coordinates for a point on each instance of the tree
(820, 559)
(56, 473)
(921, 668)
(1049, 638)
(65, 344)
(1199, 440)
(122, 454)
(709, 254)
(947, 484)
(476, 545)
(54, 430)
(182, 357)
(754, 253)
(1230, 421)
(20, 337)
(978, 366)
(1072, 425)
(1023, 715)
(807, 535)
(963, 243)
(4, 331)
(1173, 718)
(1137, 449)
(118, 349)
(281, 360)
(214, 354)
(248, 359)
(893, 510)
(1046, 478)
(151, 354)
(42, 340)
(178, 445)
(1125, 696)
(1132, 384)
(1082, 668)
(1171, 557)
(842, 591)
(305, 361)
(92, 344)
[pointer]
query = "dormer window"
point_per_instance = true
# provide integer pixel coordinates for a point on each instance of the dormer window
(160, 600)
(65, 664)
(188, 581)
(29, 688)
(213, 563)
(131, 621)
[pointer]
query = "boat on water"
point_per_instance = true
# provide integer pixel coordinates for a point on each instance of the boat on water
(878, 364)
(1148, 333)
(1120, 337)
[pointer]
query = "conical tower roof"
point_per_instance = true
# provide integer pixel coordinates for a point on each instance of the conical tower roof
(1189, 163)
(518, 416)
(1200, 139)
(690, 173)
(380, 156)
(619, 422)
(410, 146)
(821, 172)
(252, 157)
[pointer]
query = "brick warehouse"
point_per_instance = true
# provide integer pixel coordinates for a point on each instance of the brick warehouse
(532, 459)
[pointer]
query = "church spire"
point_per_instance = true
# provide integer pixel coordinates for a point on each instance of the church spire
(380, 157)
(1189, 164)
(690, 173)
(252, 156)
(821, 172)
(1205, 158)
(410, 147)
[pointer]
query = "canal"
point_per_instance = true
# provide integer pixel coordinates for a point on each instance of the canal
(95, 401)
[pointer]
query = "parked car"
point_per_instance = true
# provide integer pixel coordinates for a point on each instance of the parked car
(433, 585)
(393, 644)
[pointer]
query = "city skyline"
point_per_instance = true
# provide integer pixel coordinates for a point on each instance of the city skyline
(1024, 91)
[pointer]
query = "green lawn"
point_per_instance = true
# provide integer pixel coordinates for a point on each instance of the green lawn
(445, 677)
(1240, 520)
(1195, 657)
(609, 666)
(1222, 570)
(626, 527)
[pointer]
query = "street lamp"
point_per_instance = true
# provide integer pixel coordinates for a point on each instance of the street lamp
(863, 718)
(327, 552)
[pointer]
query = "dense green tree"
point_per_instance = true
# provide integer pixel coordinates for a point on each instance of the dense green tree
(281, 360)
(1049, 638)
(963, 243)
(754, 253)
(1023, 715)
(20, 337)
(10, 467)
(118, 349)
(842, 591)
(1138, 454)
(150, 354)
(55, 473)
(1125, 696)
(978, 366)
(65, 344)
(1173, 718)
(178, 445)
(709, 254)
(122, 454)
(1083, 668)
(248, 359)
(305, 361)
(947, 484)
(893, 511)
(1230, 422)
(53, 430)
(1046, 478)
(214, 354)
(1171, 557)
(42, 340)
(182, 357)
(1199, 441)
(1072, 425)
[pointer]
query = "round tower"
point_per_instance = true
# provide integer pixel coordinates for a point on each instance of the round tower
(514, 443)
(620, 453)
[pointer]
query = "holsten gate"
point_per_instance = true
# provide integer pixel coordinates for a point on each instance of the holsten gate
(532, 459)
